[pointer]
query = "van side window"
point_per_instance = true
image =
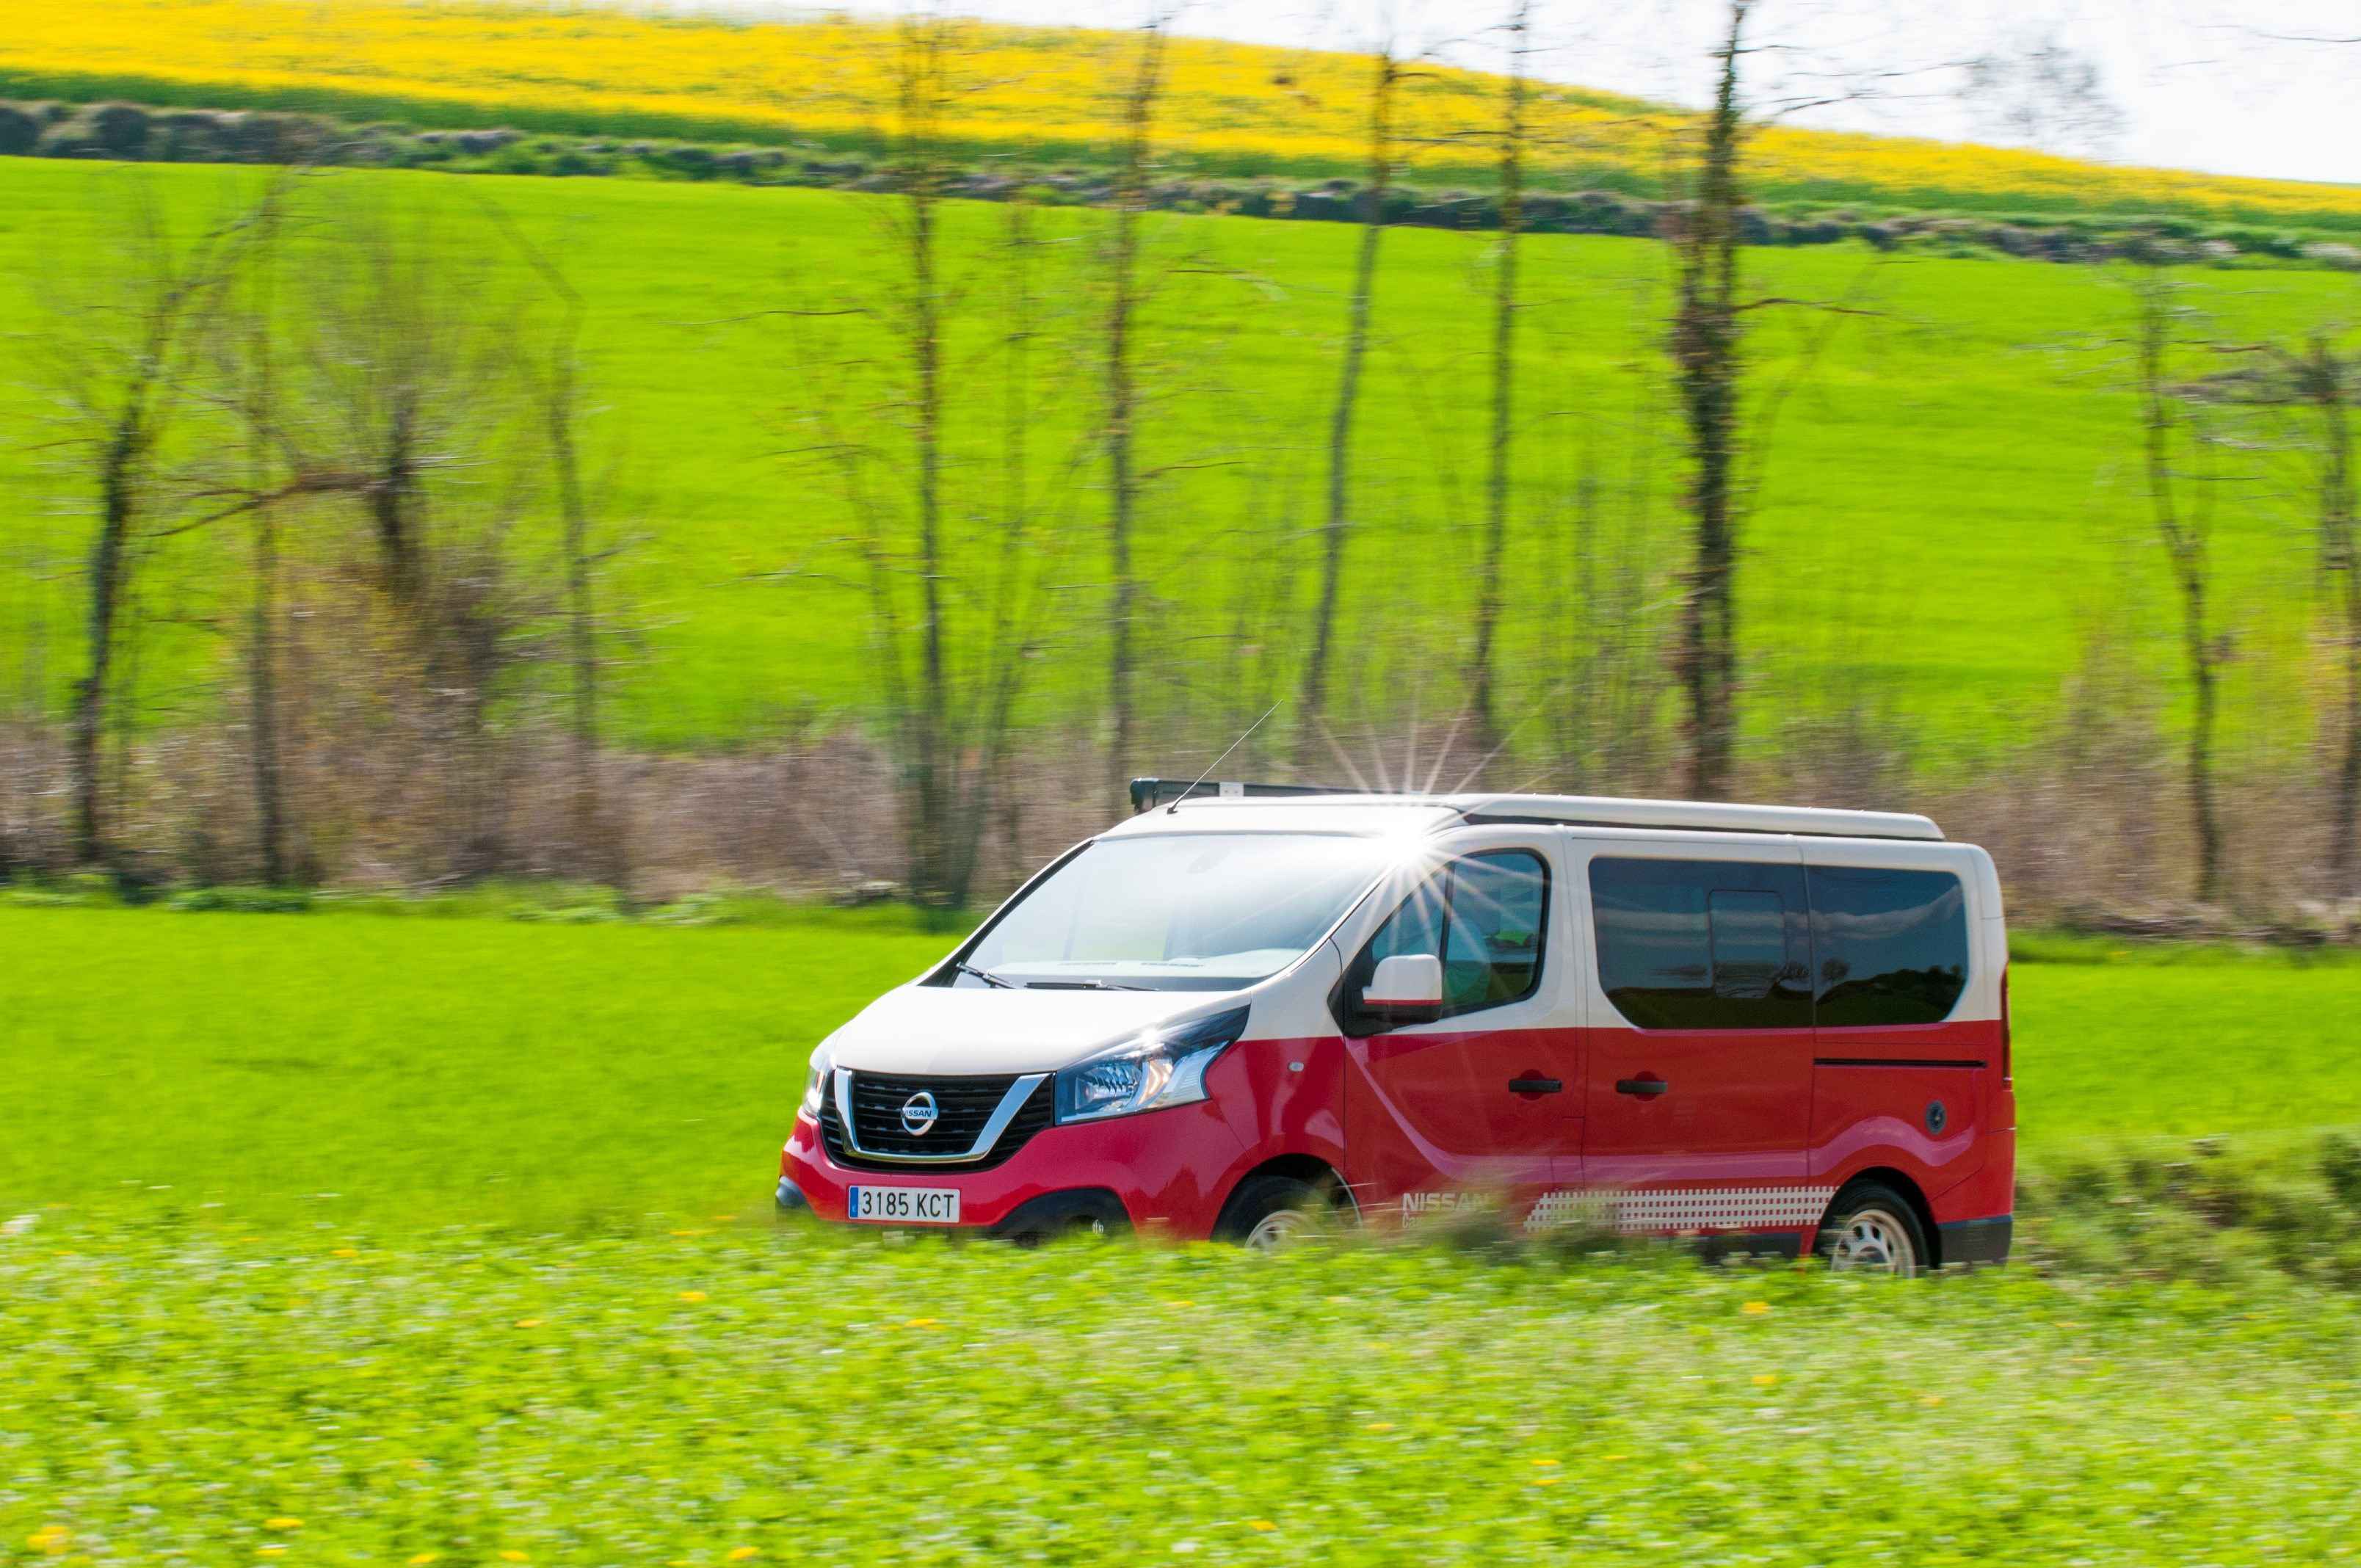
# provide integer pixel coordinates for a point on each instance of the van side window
(1486, 916)
(1702, 944)
(1893, 945)
(1492, 943)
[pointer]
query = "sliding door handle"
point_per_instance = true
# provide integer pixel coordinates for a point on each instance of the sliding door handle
(1535, 1086)
(1645, 1088)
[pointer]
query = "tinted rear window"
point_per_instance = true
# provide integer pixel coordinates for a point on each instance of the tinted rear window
(1702, 944)
(1891, 946)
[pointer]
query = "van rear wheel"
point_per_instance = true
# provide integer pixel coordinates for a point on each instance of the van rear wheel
(1871, 1229)
(1269, 1213)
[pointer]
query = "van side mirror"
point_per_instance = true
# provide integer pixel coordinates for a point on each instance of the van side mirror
(1406, 989)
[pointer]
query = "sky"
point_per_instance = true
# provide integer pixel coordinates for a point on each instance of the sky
(2225, 86)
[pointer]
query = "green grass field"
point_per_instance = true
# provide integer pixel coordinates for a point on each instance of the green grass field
(362, 1070)
(359, 1237)
(317, 1397)
(1948, 486)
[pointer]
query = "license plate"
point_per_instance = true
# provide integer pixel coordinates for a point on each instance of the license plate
(903, 1205)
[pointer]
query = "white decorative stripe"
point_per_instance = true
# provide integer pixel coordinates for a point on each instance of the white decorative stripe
(1685, 1209)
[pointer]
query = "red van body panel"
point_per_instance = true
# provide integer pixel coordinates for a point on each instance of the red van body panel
(1172, 1169)
(1735, 1108)
(1432, 1113)
(1412, 1132)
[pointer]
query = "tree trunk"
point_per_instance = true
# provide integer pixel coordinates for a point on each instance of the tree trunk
(1706, 343)
(109, 562)
(262, 698)
(1123, 480)
(2341, 553)
(392, 503)
(581, 614)
(1313, 707)
(2346, 825)
(2184, 539)
(262, 629)
(1482, 697)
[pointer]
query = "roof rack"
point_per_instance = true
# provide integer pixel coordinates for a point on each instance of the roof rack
(1581, 810)
(1696, 816)
(1148, 793)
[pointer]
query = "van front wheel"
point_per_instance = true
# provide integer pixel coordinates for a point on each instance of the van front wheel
(1873, 1229)
(1271, 1212)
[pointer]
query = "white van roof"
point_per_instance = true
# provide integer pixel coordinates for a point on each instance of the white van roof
(1219, 805)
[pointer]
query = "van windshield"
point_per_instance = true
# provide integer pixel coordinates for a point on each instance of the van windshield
(1182, 912)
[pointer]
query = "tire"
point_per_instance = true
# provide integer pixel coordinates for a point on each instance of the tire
(1270, 1212)
(1872, 1228)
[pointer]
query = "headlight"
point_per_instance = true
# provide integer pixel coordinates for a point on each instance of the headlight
(1157, 1068)
(816, 1084)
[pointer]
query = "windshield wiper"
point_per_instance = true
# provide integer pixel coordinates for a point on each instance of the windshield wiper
(986, 976)
(1081, 985)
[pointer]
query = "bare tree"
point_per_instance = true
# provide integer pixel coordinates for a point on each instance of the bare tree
(1499, 490)
(1125, 290)
(257, 394)
(2183, 526)
(1706, 355)
(117, 361)
(2039, 92)
(2321, 378)
(952, 637)
(553, 381)
(1384, 83)
(406, 386)
(2326, 380)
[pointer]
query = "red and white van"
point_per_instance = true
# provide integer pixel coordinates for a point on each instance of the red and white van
(1775, 1028)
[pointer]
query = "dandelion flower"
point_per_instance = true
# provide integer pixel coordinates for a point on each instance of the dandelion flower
(423, 1558)
(1262, 1524)
(1544, 1463)
(1381, 1426)
(1930, 1400)
(1755, 1309)
(268, 1548)
(528, 1322)
(1547, 1480)
(741, 1554)
(53, 1539)
(692, 1295)
(1766, 1379)
(924, 1323)
(513, 1555)
(283, 1521)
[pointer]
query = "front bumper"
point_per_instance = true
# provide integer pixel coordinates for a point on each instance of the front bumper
(1163, 1170)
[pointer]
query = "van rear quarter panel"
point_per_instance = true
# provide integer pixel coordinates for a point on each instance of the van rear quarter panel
(1917, 1101)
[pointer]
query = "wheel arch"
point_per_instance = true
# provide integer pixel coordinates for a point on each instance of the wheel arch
(1909, 1192)
(1308, 1168)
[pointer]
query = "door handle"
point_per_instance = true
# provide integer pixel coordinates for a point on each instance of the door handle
(1535, 1086)
(1645, 1088)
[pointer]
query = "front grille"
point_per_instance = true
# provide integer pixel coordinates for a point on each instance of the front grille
(962, 1105)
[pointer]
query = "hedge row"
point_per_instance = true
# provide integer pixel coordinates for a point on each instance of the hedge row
(130, 132)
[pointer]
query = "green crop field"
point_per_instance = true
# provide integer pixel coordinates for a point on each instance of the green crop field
(366, 1069)
(1949, 485)
(370, 1238)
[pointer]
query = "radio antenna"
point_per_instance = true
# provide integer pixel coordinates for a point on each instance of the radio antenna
(1222, 758)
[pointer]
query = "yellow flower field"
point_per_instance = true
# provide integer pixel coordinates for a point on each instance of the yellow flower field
(1234, 107)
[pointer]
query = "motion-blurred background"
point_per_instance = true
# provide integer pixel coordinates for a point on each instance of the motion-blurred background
(510, 512)
(836, 452)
